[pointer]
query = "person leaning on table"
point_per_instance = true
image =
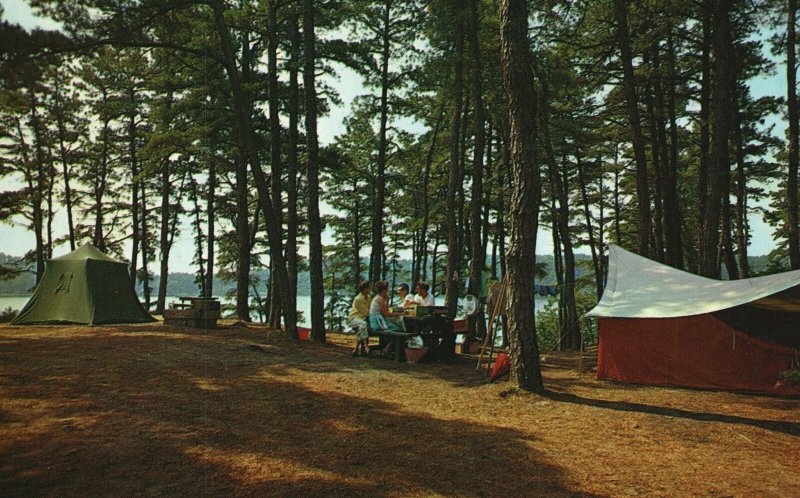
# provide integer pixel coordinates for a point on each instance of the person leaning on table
(359, 314)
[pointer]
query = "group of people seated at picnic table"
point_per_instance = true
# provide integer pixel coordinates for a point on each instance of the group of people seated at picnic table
(374, 313)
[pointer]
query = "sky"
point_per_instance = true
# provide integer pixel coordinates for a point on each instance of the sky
(16, 240)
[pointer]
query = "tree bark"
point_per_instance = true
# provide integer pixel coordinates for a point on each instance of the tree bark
(274, 142)
(525, 195)
(249, 154)
(211, 240)
(356, 237)
(741, 200)
(242, 243)
(293, 163)
(145, 248)
(792, 229)
(629, 87)
(597, 262)
(426, 180)
(673, 219)
(100, 182)
(37, 184)
(477, 253)
(559, 187)
(135, 229)
(376, 260)
(452, 275)
(656, 147)
(312, 171)
(164, 239)
(722, 102)
(705, 125)
(62, 131)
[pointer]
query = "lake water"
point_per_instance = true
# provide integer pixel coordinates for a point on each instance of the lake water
(303, 304)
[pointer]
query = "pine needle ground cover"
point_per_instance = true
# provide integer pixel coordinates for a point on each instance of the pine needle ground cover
(153, 410)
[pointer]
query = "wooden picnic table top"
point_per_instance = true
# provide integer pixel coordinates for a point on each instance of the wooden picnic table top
(197, 298)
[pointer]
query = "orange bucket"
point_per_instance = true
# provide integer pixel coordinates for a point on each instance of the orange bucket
(303, 333)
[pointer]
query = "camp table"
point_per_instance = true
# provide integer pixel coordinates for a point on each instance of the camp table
(436, 332)
(194, 311)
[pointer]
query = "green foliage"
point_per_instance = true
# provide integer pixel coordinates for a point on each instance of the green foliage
(547, 320)
(8, 314)
(790, 376)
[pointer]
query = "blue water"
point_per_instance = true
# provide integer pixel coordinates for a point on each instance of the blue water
(303, 304)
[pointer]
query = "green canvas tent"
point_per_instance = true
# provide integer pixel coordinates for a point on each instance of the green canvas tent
(84, 286)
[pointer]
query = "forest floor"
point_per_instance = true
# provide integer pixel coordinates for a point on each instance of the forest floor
(154, 410)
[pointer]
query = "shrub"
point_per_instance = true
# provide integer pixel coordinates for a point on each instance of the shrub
(7, 315)
(791, 377)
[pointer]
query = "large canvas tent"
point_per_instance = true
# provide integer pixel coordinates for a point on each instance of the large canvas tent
(662, 326)
(84, 286)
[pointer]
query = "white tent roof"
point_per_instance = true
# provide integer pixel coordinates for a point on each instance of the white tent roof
(641, 288)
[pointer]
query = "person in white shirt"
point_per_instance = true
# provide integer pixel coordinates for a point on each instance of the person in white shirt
(423, 297)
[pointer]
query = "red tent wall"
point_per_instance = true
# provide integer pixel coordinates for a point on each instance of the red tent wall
(696, 351)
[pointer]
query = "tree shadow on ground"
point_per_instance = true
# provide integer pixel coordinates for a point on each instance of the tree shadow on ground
(790, 428)
(120, 414)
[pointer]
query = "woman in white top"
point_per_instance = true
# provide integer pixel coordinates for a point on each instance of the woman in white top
(379, 309)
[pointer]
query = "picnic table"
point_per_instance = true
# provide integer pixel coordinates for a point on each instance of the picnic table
(436, 332)
(194, 311)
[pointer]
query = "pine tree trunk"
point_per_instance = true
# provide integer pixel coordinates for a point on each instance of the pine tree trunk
(722, 102)
(145, 248)
(434, 260)
(376, 260)
(558, 266)
(312, 171)
(62, 131)
(656, 147)
(164, 239)
(274, 141)
(135, 229)
(597, 262)
(502, 212)
(426, 179)
(792, 229)
(727, 237)
(356, 237)
(525, 194)
(741, 200)
(249, 154)
(705, 125)
(560, 189)
(36, 185)
(617, 200)
(452, 274)
(198, 229)
(242, 242)
(211, 240)
(629, 87)
(673, 221)
(477, 324)
(100, 183)
(293, 163)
